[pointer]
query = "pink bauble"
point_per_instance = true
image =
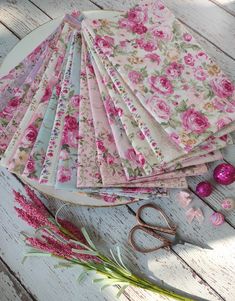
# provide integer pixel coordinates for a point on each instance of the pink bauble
(204, 189)
(228, 204)
(217, 219)
(224, 174)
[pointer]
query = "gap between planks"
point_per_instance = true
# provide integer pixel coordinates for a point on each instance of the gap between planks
(224, 7)
(181, 21)
(19, 287)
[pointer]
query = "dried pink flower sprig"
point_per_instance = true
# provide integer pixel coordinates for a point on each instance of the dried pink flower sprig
(56, 237)
(62, 239)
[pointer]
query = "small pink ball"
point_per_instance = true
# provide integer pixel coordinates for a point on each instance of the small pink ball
(217, 219)
(204, 189)
(228, 204)
(224, 174)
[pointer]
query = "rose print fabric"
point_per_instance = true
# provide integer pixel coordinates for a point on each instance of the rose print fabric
(48, 174)
(88, 171)
(116, 109)
(111, 168)
(182, 88)
(110, 163)
(131, 163)
(34, 165)
(11, 83)
(165, 151)
(67, 166)
(141, 151)
(24, 138)
(211, 144)
(13, 113)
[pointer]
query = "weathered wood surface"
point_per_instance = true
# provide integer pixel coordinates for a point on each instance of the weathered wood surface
(108, 227)
(227, 5)
(207, 274)
(21, 16)
(10, 288)
(7, 41)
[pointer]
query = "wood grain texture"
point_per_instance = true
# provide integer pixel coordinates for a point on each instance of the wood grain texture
(60, 7)
(101, 223)
(7, 41)
(221, 239)
(21, 16)
(227, 5)
(206, 274)
(39, 274)
(10, 288)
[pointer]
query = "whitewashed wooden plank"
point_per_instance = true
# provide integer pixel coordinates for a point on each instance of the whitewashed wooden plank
(204, 16)
(220, 192)
(56, 8)
(21, 16)
(10, 287)
(38, 275)
(216, 266)
(7, 41)
(228, 5)
(108, 227)
(201, 16)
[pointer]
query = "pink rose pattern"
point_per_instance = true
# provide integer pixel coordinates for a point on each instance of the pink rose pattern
(194, 121)
(137, 158)
(48, 169)
(131, 128)
(17, 76)
(148, 129)
(70, 133)
(20, 98)
(64, 174)
(151, 33)
(28, 132)
(160, 108)
(21, 159)
(87, 159)
(111, 168)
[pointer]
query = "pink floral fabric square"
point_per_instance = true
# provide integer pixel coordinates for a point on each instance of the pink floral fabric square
(169, 72)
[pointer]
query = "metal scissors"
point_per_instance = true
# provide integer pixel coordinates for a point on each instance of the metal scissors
(157, 232)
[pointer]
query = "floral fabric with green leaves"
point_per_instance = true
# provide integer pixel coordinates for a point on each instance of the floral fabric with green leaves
(169, 72)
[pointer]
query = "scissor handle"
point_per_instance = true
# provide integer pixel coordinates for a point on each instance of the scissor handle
(171, 229)
(166, 243)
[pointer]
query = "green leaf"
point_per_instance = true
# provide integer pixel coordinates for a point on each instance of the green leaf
(121, 291)
(84, 232)
(71, 93)
(84, 252)
(81, 277)
(64, 265)
(99, 280)
(120, 259)
(80, 244)
(182, 107)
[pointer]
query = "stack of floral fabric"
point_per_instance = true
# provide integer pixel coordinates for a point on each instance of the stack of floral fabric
(118, 106)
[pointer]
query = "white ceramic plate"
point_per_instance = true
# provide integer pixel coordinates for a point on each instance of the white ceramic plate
(16, 55)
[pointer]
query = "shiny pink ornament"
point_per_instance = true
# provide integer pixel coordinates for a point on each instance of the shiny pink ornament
(224, 174)
(204, 189)
(217, 219)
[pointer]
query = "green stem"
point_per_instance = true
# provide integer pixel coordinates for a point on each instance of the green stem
(121, 276)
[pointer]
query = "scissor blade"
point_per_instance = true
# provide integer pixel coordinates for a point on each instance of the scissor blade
(193, 244)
